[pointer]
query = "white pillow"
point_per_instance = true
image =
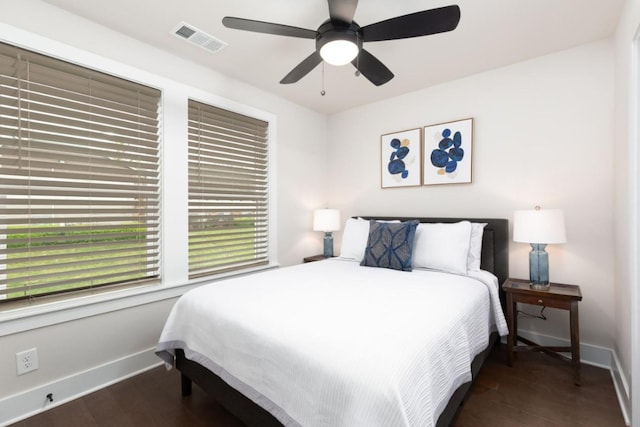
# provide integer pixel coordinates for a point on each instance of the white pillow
(443, 247)
(354, 239)
(475, 246)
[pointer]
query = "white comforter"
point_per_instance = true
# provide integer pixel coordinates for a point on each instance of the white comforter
(331, 343)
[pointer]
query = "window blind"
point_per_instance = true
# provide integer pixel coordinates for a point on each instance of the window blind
(79, 177)
(228, 191)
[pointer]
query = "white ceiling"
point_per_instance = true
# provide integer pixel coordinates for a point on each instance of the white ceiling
(491, 34)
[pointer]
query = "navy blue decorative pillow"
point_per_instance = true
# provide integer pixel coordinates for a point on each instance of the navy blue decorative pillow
(390, 245)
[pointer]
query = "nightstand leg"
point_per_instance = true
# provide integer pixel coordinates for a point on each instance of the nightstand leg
(575, 342)
(513, 331)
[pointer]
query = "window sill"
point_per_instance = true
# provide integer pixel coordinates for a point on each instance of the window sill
(39, 315)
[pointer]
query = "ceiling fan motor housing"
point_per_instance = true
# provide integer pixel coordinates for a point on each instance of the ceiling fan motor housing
(330, 31)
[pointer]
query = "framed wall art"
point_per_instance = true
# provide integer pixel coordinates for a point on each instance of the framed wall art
(401, 158)
(448, 148)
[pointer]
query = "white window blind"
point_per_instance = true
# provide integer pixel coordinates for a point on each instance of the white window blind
(228, 191)
(79, 177)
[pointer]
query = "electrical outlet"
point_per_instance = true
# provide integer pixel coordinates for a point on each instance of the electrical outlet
(27, 361)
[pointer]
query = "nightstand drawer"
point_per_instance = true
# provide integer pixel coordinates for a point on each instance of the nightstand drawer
(550, 301)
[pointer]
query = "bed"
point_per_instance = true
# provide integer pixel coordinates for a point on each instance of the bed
(334, 343)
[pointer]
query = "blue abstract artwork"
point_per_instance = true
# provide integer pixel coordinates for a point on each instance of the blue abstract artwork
(401, 158)
(396, 161)
(449, 145)
(449, 151)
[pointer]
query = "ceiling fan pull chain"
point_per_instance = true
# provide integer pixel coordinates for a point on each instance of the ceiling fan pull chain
(357, 73)
(322, 92)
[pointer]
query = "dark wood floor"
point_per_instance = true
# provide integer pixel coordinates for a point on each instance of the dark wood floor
(536, 391)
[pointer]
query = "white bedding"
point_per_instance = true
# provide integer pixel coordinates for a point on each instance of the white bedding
(332, 343)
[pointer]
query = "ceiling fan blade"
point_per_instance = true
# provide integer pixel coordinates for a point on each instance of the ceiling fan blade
(417, 24)
(302, 69)
(371, 67)
(267, 28)
(342, 10)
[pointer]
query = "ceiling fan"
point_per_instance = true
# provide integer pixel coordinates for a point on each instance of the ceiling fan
(339, 39)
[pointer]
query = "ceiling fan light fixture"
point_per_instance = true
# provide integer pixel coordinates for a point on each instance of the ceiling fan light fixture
(339, 52)
(339, 39)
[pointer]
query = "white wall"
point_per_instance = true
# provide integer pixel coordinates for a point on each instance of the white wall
(627, 338)
(543, 132)
(82, 344)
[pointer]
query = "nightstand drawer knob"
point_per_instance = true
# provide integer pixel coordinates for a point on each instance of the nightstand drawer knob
(540, 301)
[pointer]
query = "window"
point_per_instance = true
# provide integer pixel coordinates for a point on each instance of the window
(79, 178)
(228, 190)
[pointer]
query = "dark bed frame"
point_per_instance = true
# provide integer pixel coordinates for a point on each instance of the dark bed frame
(494, 258)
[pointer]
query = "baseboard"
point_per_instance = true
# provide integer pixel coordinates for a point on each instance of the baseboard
(594, 355)
(590, 354)
(622, 387)
(31, 402)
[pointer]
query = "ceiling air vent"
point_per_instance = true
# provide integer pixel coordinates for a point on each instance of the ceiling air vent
(197, 37)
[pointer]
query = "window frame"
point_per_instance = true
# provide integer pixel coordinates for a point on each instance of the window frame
(246, 145)
(173, 202)
(110, 166)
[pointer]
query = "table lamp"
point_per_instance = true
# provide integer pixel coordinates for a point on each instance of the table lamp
(539, 227)
(327, 220)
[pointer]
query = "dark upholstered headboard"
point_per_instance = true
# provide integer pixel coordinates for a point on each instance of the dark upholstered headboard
(495, 243)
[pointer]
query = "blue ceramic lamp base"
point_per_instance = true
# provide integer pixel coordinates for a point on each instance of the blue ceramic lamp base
(328, 244)
(539, 267)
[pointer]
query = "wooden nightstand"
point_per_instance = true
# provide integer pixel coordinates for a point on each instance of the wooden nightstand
(564, 297)
(314, 258)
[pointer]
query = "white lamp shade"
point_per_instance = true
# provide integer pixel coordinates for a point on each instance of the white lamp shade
(339, 52)
(540, 226)
(326, 220)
